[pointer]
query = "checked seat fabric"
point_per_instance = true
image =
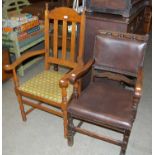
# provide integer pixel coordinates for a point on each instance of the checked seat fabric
(42, 86)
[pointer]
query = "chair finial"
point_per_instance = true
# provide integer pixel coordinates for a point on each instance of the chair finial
(46, 6)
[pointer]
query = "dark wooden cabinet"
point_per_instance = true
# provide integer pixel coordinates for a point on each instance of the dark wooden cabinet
(126, 8)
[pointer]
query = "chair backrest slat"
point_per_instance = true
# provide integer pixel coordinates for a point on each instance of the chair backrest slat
(73, 37)
(64, 39)
(55, 40)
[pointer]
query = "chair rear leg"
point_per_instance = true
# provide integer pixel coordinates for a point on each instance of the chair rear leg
(70, 136)
(21, 107)
(65, 123)
(56, 67)
(125, 142)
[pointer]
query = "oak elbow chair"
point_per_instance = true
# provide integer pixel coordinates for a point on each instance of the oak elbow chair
(49, 87)
(112, 97)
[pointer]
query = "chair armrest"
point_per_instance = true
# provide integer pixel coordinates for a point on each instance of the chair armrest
(80, 71)
(65, 79)
(75, 74)
(139, 83)
(23, 58)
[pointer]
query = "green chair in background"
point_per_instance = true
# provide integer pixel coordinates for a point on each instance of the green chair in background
(9, 39)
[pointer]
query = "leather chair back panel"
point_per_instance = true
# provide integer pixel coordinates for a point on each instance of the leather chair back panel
(118, 55)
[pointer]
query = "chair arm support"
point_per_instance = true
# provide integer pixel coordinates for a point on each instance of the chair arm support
(63, 83)
(139, 83)
(75, 74)
(23, 58)
(78, 72)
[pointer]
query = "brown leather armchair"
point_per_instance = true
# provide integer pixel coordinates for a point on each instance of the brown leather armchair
(112, 97)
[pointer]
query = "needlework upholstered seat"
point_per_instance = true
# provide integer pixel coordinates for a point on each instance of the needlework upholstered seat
(42, 86)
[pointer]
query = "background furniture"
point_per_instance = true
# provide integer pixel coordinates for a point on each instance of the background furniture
(38, 8)
(5, 61)
(126, 8)
(11, 8)
(47, 1)
(111, 99)
(98, 20)
(148, 17)
(45, 88)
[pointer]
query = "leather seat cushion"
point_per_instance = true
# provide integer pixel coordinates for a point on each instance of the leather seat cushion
(104, 103)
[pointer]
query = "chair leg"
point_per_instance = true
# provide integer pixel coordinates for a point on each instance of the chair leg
(21, 107)
(70, 136)
(65, 124)
(125, 142)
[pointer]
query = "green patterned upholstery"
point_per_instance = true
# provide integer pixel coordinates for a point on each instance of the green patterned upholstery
(46, 85)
